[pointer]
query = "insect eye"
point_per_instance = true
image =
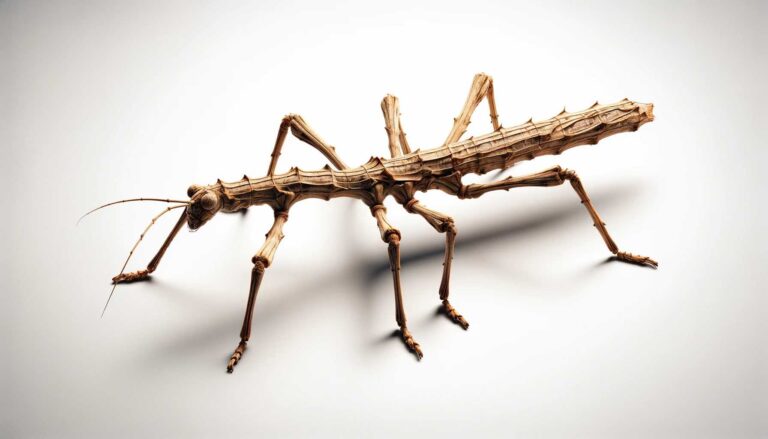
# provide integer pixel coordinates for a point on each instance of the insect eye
(209, 201)
(193, 190)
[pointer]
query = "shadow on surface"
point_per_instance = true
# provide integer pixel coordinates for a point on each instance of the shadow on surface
(364, 276)
(493, 232)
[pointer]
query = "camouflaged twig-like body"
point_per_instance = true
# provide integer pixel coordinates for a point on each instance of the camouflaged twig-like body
(441, 168)
(401, 176)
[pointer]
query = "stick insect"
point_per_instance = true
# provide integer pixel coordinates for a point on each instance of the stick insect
(401, 176)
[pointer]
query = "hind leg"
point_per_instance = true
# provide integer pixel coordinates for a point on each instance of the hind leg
(620, 255)
(482, 86)
(398, 145)
(555, 177)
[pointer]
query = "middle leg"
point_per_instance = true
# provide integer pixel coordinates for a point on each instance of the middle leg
(391, 236)
(443, 224)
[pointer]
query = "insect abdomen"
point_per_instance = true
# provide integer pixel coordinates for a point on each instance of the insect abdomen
(497, 150)
(503, 148)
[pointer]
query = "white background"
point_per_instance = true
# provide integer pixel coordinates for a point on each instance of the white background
(108, 100)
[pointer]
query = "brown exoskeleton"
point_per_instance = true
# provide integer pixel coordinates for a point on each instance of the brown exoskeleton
(401, 176)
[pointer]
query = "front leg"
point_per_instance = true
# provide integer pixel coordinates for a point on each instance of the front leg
(139, 275)
(261, 261)
(302, 131)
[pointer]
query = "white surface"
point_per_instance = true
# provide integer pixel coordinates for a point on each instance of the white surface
(102, 100)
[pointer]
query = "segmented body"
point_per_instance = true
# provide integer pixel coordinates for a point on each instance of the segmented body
(401, 177)
(438, 168)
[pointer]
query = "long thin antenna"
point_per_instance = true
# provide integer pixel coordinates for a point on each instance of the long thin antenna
(166, 210)
(164, 200)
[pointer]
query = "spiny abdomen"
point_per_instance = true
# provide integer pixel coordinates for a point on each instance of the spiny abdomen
(497, 150)
(502, 148)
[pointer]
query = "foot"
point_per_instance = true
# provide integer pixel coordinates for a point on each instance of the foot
(131, 277)
(236, 356)
(410, 342)
(636, 259)
(454, 315)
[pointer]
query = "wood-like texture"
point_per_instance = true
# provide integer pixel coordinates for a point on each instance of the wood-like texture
(401, 176)
(436, 168)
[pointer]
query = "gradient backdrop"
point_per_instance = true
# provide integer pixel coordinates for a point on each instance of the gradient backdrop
(108, 100)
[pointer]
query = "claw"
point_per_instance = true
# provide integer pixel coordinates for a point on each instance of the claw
(637, 259)
(131, 277)
(411, 343)
(236, 356)
(454, 315)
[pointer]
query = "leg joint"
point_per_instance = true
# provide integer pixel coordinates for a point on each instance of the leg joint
(567, 174)
(392, 237)
(449, 226)
(282, 214)
(409, 205)
(260, 263)
(463, 192)
(375, 208)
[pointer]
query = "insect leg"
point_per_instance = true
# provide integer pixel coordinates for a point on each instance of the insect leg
(623, 256)
(398, 145)
(391, 236)
(482, 86)
(261, 261)
(443, 224)
(144, 274)
(554, 177)
(303, 132)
